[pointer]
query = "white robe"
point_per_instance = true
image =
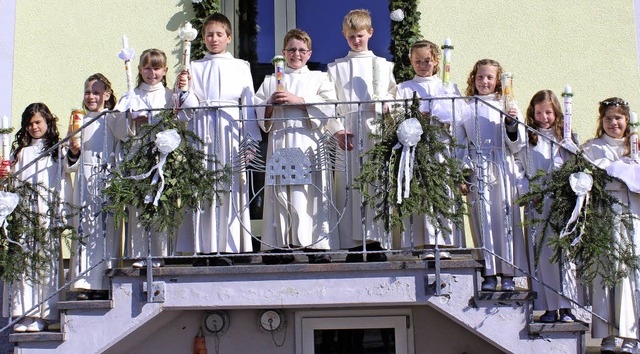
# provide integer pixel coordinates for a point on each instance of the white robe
(299, 215)
(96, 158)
(223, 225)
(425, 232)
(560, 276)
(353, 77)
(618, 304)
(123, 128)
(26, 294)
(500, 194)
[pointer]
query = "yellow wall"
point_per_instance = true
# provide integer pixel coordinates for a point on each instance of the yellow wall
(546, 44)
(58, 44)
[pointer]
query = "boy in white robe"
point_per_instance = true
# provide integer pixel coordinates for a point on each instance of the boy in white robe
(360, 76)
(223, 225)
(299, 215)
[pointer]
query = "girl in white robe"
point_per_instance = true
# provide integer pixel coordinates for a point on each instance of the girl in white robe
(424, 56)
(619, 304)
(152, 89)
(490, 150)
(38, 133)
(299, 215)
(218, 79)
(545, 153)
(92, 257)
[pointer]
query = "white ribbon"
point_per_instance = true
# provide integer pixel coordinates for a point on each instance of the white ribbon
(166, 142)
(581, 184)
(8, 203)
(409, 133)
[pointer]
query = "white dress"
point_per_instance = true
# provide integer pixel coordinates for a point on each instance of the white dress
(561, 276)
(26, 294)
(221, 80)
(96, 158)
(301, 215)
(426, 233)
(360, 76)
(615, 304)
(493, 210)
(155, 97)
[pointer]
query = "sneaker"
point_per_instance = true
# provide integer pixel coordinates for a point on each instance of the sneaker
(36, 326)
(430, 256)
(629, 346)
(549, 316)
(567, 316)
(489, 283)
(143, 264)
(507, 284)
(22, 326)
(608, 345)
(445, 255)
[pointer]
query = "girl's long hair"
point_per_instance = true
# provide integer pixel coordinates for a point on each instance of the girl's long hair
(51, 137)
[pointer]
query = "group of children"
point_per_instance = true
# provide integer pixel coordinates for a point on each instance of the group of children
(304, 215)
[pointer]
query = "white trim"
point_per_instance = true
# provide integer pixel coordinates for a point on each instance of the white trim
(7, 45)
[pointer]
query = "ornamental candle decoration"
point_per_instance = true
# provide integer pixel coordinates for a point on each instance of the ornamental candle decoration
(633, 137)
(129, 101)
(75, 122)
(568, 97)
(507, 91)
(446, 63)
(278, 71)
(187, 34)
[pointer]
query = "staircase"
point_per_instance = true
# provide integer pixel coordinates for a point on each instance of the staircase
(183, 295)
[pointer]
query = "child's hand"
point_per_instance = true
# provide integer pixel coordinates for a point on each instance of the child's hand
(184, 79)
(284, 97)
(344, 139)
(463, 188)
(4, 168)
(74, 146)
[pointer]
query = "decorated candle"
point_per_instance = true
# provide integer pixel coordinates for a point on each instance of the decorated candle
(75, 122)
(278, 65)
(127, 54)
(568, 97)
(446, 63)
(633, 137)
(507, 90)
(187, 34)
(5, 138)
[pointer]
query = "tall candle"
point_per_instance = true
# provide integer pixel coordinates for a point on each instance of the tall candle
(187, 33)
(127, 67)
(633, 137)
(568, 97)
(508, 96)
(446, 73)
(5, 123)
(278, 71)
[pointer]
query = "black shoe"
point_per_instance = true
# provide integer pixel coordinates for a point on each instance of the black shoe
(201, 262)
(99, 295)
(376, 257)
(220, 262)
(319, 258)
(278, 258)
(82, 296)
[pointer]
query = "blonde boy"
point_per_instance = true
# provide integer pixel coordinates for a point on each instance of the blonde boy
(353, 77)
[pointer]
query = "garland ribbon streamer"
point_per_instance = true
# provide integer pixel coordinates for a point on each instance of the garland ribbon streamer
(8, 203)
(166, 142)
(581, 184)
(409, 133)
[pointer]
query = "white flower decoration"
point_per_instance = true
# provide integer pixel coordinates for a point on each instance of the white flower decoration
(409, 132)
(581, 183)
(127, 54)
(397, 15)
(8, 202)
(167, 141)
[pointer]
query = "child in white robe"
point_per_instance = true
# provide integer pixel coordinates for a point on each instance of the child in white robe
(360, 76)
(38, 133)
(618, 305)
(495, 217)
(152, 89)
(96, 155)
(223, 225)
(545, 153)
(300, 215)
(424, 56)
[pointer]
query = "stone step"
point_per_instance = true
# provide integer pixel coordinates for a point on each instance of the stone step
(545, 328)
(36, 337)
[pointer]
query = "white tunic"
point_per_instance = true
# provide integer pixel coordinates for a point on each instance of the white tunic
(221, 80)
(299, 215)
(546, 156)
(98, 233)
(616, 304)
(494, 155)
(425, 232)
(155, 96)
(360, 76)
(26, 294)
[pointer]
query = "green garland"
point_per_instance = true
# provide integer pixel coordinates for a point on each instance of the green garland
(596, 253)
(38, 242)
(433, 190)
(188, 183)
(201, 9)
(403, 34)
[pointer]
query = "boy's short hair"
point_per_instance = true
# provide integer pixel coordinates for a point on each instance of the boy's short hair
(299, 35)
(357, 20)
(219, 18)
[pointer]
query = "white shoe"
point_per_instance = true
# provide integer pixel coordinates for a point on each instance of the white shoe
(143, 263)
(507, 284)
(445, 255)
(21, 326)
(36, 326)
(629, 346)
